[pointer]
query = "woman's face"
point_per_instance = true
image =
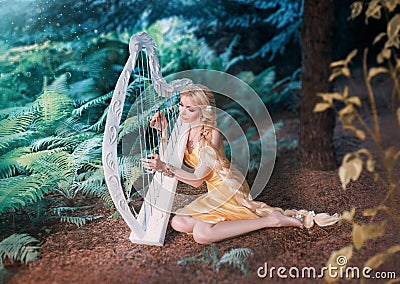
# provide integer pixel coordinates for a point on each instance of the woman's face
(190, 112)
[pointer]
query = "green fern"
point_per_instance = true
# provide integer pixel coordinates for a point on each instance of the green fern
(237, 258)
(98, 126)
(78, 220)
(9, 161)
(16, 247)
(16, 140)
(51, 164)
(60, 210)
(53, 107)
(19, 191)
(58, 86)
(99, 101)
(93, 183)
(15, 124)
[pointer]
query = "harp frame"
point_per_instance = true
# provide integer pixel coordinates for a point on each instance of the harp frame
(160, 202)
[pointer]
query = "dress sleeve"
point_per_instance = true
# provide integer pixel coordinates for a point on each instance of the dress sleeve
(208, 156)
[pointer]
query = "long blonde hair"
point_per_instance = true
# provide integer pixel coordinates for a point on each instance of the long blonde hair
(204, 98)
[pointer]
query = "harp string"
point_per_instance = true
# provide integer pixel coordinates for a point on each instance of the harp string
(141, 122)
(150, 140)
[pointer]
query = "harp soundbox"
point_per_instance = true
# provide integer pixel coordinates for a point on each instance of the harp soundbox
(153, 94)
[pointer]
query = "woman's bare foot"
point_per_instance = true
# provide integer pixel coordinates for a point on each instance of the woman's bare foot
(285, 221)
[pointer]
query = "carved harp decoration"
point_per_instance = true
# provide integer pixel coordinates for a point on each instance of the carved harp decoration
(153, 94)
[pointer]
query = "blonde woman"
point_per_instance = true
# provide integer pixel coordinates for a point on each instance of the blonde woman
(227, 209)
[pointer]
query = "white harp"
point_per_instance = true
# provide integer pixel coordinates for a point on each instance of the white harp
(151, 223)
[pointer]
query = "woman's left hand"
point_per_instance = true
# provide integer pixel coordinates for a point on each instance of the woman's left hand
(153, 163)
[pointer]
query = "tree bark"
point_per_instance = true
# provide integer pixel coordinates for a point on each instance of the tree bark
(316, 129)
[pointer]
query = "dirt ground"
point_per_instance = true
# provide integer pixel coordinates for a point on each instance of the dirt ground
(100, 252)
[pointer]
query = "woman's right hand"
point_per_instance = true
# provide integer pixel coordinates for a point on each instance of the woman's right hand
(159, 122)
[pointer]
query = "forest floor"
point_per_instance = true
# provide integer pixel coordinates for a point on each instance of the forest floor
(101, 252)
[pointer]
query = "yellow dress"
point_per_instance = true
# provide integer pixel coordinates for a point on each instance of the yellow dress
(228, 197)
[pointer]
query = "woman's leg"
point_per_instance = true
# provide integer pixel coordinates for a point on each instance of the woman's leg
(204, 233)
(183, 224)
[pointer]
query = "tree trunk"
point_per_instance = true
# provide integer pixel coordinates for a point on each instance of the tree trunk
(316, 129)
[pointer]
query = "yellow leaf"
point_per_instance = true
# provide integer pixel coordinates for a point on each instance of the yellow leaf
(337, 63)
(365, 152)
(350, 171)
(379, 37)
(346, 110)
(347, 157)
(351, 55)
(358, 236)
(379, 57)
(360, 134)
(320, 107)
(390, 4)
(386, 53)
(367, 232)
(390, 157)
(356, 9)
(393, 28)
(373, 211)
(371, 165)
(347, 120)
(354, 100)
(329, 97)
(348, 215)
(346, 72)
(375, 71)
(392, 281)
(373, 11)
(346, 91)
(335, 73)
(338, 258)
(374, 230)
(398, 115)
(378, 259)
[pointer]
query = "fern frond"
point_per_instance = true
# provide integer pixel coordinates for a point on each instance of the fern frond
(83, 91)
(9, 163)
(15, 124)
(53, 106)
(88, 151)
(95, 102)
(78, 220)
(16, 247)
(10, 112)
(16, 140)
(60, 210)
(100, 122)
(16, 192)
(53, 165)
(70, 126)
(236, 253)
(93, 183)
(58, 86)
(130, 168)
(237, 258)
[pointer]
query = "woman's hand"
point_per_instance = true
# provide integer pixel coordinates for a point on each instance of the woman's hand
(159, 122)
(153, 163)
